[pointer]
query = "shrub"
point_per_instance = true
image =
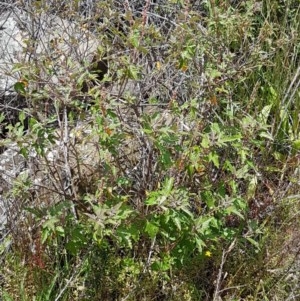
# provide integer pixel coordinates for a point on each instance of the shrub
(166, 177)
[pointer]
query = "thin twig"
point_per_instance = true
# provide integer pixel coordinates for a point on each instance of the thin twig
(220, 273)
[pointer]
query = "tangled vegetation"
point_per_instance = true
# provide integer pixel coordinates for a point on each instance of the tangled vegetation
(174, 175)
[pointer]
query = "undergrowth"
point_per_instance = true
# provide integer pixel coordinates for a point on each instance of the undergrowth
(174, 176)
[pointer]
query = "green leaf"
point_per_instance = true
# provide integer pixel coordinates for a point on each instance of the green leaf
(253, 242)
(153, 198)
(60, 230)
(225, 139)
(134, 38)
(296, 144)
(133, 72)
(50, 223)
(165, 158)
(177, 222)
(208, 199)
(22, 117)
(168, 185)
(200, 244)
(252, 187)
(242, 172)
(213, 73)
(2, 117)
(151, 229)
(234, 210)
(206, 224)
(72, 247)
(6, 296)
(264, 115)
(162, 265)
(20, 87)
(266, 135)
(205, 143)
(213, 157)
(45, 234)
